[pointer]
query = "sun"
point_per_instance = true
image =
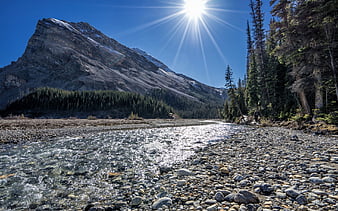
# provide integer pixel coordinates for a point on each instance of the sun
(194, 9)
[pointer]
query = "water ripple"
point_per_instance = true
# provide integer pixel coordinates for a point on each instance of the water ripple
(69, 172)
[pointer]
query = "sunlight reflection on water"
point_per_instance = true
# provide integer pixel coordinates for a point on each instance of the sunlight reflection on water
(77, 167)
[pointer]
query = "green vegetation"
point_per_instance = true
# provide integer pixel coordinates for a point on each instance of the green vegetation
(104, 104)
(291, 70)
(186, 107)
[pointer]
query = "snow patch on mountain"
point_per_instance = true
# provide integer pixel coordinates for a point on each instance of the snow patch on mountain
(153, 60)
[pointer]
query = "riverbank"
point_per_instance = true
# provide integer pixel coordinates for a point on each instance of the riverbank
(25, 129)
(256, 169)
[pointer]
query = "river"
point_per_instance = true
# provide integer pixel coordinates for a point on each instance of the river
(70, 172)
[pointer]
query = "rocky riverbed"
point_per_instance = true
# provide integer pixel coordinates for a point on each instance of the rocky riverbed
(255, 169)
(249, 168)
(23, 130)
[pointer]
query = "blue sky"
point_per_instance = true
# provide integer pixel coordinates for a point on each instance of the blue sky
(150, 25)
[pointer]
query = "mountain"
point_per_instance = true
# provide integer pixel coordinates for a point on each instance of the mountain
(76, 56)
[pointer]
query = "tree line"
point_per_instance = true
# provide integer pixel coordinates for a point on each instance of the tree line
(48, 101)
(187, 108)
(291, 68)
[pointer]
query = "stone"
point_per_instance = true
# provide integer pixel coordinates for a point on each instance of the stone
(224, 170)
(219, 197)
(329, 180)
(281, 195)
(330, 201)
(230, 197)
(301, 199)
(266, 189)
(244, 183)
(120, 204)
(238, 178)
(302, 208)
(165, 169)
(136, 201)
(294, 138)
(184, 172)
(181, 182)
(165, 201)
(316, 180)
(291, 192)
(319, 192)
(210, 201)
(246, 197)
(212, 208)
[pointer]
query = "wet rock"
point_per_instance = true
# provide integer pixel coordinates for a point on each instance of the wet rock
(165, 201)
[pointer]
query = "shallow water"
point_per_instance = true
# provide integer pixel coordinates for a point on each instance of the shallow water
(70, 172)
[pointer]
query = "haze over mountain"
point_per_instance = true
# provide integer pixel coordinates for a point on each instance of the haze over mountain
(76, 56)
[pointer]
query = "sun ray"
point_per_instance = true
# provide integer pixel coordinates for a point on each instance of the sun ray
(226, 23)
(173, 32)
(219, 51)
(194, 9)
(154, 23)
(181, 43)
(203, 53)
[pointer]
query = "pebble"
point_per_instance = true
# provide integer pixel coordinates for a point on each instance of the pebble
(165, 201)
(316, 180)
(291, 192)
(219, 197)
(301, 199)
(212, 208)
(136, 201)
(184, 172)
(245, 197)
(253, 169)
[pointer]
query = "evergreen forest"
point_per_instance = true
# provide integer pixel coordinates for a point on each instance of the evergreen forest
(51, 102)
(291, 67)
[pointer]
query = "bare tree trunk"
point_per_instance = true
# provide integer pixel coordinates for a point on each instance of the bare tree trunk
(304, 102)
(319, 101)
(330, 40)
(333, 68)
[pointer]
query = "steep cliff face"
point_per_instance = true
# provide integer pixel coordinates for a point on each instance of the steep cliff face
(76, 56)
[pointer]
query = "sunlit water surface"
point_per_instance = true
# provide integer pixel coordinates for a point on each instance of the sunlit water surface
(69, 171)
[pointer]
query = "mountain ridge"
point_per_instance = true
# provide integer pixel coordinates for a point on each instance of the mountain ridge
(77, 56)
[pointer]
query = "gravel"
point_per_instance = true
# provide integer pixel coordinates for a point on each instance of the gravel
(255, 169)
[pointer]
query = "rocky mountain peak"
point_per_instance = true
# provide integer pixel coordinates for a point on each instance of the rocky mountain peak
(77, 56)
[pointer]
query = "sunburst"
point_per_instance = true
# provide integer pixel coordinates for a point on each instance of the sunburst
(193, 22)
(195, 9)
